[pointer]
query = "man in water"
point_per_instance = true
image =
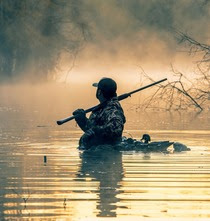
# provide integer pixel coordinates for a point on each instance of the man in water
(105, 125)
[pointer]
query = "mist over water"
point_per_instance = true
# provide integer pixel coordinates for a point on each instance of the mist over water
(43, 104)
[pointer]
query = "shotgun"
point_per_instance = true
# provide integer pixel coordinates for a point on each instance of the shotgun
(120, 98)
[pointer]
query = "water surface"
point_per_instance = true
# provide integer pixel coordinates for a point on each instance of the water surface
(72, 185)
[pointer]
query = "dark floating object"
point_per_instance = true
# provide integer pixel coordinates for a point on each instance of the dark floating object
(144, 145)
(178, 147)
(129, 144)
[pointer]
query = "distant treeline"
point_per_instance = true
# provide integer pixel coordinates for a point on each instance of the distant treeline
(33, 34)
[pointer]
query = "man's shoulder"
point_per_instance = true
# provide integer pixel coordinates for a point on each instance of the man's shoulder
(114, 103)
(114, 110)
(113, 106)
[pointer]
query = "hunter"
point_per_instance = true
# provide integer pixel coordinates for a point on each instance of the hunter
(105, 124)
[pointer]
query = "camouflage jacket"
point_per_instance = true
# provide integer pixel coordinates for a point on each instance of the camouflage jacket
(105, 125)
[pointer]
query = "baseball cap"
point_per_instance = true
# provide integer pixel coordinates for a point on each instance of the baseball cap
(107, 85)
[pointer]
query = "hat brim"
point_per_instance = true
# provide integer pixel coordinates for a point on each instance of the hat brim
(95, 84)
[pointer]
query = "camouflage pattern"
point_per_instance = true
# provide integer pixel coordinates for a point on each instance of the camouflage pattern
(105, 125)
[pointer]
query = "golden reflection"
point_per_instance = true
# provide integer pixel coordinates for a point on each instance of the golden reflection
(106, 167)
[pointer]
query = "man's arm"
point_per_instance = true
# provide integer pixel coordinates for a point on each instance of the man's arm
(81, 119)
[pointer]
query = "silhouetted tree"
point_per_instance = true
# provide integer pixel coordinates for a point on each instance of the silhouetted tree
(184, 93)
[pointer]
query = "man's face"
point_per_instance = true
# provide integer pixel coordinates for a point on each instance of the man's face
(98, 91)
(99, 95)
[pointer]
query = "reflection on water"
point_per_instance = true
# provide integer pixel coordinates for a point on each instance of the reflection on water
(106, 168)
(72, 185)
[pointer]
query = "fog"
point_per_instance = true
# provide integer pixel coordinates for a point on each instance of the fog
(129, 34)
(66, 40)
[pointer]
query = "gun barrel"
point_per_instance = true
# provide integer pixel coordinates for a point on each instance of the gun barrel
(147, 86)
(121, 97)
